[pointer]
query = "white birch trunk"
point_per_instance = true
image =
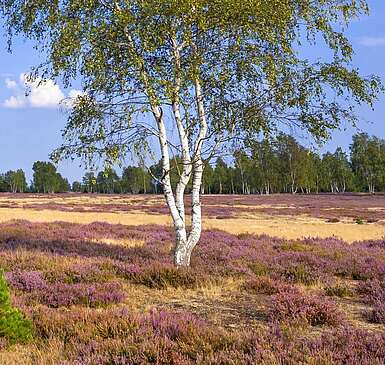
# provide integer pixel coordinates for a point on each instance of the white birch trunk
(185, 243)
(183, 247)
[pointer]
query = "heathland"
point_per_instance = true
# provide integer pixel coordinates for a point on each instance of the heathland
(281, 279)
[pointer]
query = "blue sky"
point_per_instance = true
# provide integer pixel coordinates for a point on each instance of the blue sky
(31, 127)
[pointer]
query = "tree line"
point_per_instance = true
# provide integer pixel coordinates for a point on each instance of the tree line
(281, 165)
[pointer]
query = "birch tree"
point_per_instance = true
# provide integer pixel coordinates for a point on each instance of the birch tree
(188, 78)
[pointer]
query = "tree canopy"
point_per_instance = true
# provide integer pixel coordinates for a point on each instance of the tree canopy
(135, 54)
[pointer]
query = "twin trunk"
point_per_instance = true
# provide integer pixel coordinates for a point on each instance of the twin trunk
(184, 247)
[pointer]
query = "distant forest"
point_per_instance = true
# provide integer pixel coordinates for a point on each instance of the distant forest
(263, 167)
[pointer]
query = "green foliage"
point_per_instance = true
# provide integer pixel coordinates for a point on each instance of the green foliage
(300, 274)
(13, 326)
(13, 181)
(295, 247)
(338, 290)
(89, 181)
(134, 56)
(368, 161)
(47, 180)
(359, 220)
(336, 172)
(259, 269)
(280, 165)
(108, 181)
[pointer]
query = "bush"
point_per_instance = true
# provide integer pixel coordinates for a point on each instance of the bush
(78, 273)
(377, 314)
(359, 220)
(295, 247)
(264, 285)
(373, 291)
(27, 281)
(338, 290)
(13, 326)
(161, 277)
(300, 274)
(302, 309)
(259, 268)
(92, 295)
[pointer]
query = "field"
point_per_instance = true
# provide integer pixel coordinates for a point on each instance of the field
(275, 280)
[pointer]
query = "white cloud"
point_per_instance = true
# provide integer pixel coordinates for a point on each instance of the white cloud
(10, 84)
(15, 102)
(44, 94)
(36, 93)
(372, 41)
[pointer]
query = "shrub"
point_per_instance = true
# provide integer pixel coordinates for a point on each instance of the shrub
(26, 280)
(161, 277)
(264, 285)
(300, 274)
(78, 273)
(372, 290)
(93, 295)
(259, 269)
(359, 220)
(295, 247)
(347, 345)
(303, 309)
(377, 314)
(338, 290)
(14, 327)
(127, 271)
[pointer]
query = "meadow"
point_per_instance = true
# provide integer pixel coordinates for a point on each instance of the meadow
(276, 279)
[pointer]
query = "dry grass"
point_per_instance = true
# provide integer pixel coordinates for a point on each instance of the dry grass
(120, 242)
(222, 304)
(7, 214)
(49, 353)
(290, 227)
(298, 227)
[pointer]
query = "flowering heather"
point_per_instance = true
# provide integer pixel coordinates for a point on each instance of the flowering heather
(377, 314)
(251, 299)
(161, 277)
(175, 338)
(265, 285)
(78, 273)
(26, 280)
(93, 295)
(295, 307)
(373, 291)
(127, 271)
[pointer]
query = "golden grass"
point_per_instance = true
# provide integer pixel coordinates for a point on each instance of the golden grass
(120, 242)
(48, 353)
(221, 303)
(82, 200)
(7, 214)
(290, 227)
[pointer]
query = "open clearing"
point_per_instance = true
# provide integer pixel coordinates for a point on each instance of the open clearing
(268, 283)
(292, 217)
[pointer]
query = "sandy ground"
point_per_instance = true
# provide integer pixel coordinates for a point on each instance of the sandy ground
(292, 227)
